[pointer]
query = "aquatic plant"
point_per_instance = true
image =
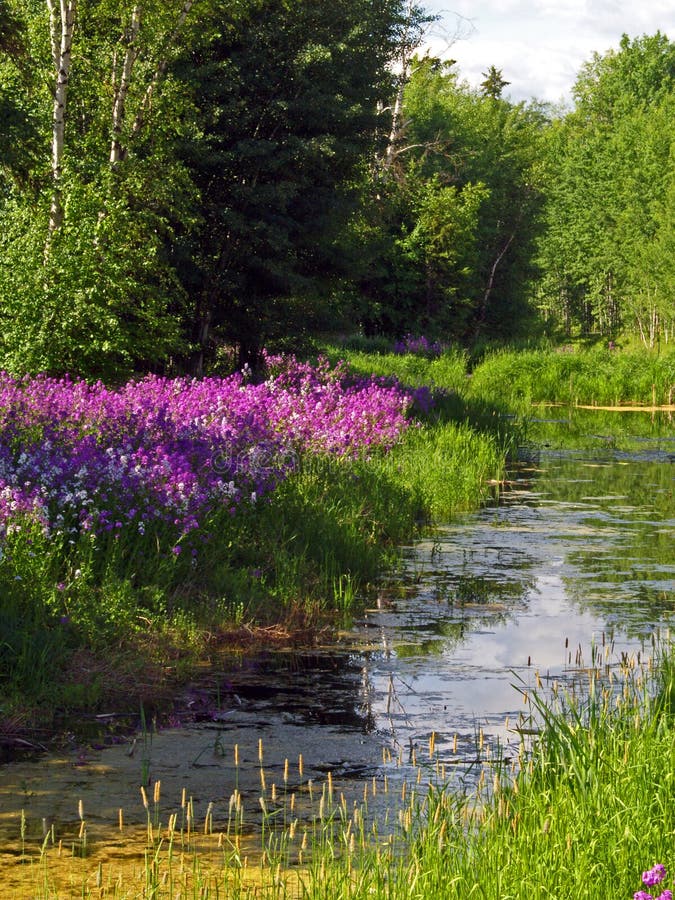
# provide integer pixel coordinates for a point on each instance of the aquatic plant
(592, 796)
(598, 376)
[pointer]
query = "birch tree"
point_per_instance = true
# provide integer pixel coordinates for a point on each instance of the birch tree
(122, 84)
(101, 295)
(61, 30)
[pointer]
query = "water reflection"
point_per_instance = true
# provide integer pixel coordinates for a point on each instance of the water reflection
(576, 561)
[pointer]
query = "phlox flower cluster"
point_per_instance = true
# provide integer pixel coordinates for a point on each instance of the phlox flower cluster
(656, 875)
(419, 345)
(84, 457)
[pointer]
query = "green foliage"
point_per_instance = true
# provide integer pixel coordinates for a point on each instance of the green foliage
(606, 253)
(287, 99)
(34, 640)
(17, 128)
(456, 210)
(102, 303)
(98, 295)
(494, 83)
(641, 72)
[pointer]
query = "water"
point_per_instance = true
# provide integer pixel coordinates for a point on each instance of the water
(576, 563)
(573, 567)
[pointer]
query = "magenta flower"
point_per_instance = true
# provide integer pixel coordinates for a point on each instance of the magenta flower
(651, 877)
(78, 458)
(655, 875)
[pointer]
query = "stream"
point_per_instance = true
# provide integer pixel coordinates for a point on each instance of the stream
(572, 566)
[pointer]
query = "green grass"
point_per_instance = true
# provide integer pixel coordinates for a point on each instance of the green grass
(325, 537)
(447, 371)
(596, 376)
(590, 811)
(582, 817)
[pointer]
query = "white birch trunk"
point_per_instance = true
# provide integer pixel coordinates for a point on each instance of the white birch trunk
(117, 152)
(396, 121)
(61, 26)
(482, 311)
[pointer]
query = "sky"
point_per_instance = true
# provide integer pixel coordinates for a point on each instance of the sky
(539, 45)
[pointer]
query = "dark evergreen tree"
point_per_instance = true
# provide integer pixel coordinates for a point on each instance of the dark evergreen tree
(494, 83)
(287, 96)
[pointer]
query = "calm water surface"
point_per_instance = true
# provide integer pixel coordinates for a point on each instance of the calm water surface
(573, 565)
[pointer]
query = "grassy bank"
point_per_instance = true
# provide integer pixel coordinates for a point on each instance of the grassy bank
(582, 815)
(598, 376)
(590, 810)
(446, 370)
(155, 529)
(516, 378)
(152, 521)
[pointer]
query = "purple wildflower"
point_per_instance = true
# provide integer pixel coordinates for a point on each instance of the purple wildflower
(84, 458)
(655, 875)
(419, 345)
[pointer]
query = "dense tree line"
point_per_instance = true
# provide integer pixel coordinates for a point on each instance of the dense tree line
(606, 254)
(185, 179)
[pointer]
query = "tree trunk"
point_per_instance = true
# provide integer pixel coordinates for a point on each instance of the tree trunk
(117, 152)
(482, 310)
(61, 28)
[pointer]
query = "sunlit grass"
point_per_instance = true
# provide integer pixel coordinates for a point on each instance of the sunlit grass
(447, 371)
(598, 376)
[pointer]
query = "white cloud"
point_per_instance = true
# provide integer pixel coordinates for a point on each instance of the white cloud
(540, 45)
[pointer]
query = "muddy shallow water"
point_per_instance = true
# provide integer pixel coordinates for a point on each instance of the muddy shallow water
(573, 567)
